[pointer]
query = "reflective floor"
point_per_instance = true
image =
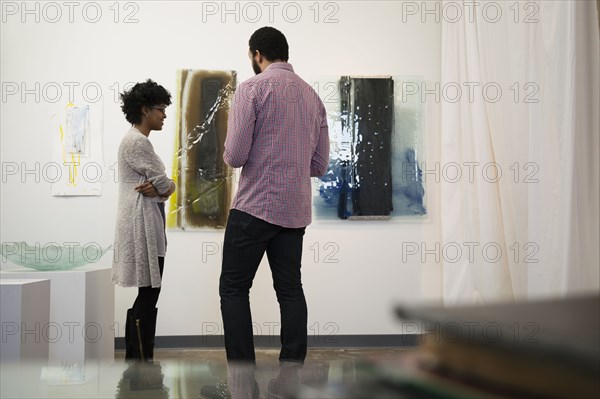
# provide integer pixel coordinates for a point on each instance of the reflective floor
(189, 374)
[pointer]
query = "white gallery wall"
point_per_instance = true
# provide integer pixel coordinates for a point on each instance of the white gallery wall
(354, 272)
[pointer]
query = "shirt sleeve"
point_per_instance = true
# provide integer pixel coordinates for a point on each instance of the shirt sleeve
(158, 198)
(320, 158)
(141, 157)
(240, 126)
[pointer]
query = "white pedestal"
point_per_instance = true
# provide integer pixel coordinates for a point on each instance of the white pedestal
(81, 326)
(24, 314)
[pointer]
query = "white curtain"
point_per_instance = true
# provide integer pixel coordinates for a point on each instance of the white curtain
(524, 133)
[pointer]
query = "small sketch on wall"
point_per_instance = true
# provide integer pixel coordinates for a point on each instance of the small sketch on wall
(78, 167)
(76, 129)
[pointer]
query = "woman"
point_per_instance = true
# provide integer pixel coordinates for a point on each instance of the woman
(140, 240)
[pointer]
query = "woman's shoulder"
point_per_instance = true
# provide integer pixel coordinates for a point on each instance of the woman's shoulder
(134, 137)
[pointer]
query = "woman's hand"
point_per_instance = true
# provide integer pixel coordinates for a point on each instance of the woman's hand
(147, 189)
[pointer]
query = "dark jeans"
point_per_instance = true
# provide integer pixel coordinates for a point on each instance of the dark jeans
(247, 238)
(147, 297)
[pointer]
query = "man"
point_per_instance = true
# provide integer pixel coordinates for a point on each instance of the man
(278, 134)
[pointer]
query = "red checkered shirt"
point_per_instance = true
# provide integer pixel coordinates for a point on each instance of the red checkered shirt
(278, 133)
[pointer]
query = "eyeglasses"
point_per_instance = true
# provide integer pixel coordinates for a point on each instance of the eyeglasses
(161, 109)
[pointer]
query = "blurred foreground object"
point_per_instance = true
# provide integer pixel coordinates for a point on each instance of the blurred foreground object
(538, 349)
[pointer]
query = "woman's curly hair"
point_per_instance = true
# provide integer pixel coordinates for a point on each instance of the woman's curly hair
(148, 93)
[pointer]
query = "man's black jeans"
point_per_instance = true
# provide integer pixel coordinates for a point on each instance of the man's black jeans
(247, 238)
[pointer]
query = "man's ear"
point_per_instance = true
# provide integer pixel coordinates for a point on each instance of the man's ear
(260, 57)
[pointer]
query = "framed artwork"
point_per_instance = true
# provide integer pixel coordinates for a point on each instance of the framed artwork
(204, 181)
(376, 150)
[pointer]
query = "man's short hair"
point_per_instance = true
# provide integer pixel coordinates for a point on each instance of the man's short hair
(271, 43)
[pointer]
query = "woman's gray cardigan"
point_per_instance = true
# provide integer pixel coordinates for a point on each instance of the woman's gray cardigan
(135, 261)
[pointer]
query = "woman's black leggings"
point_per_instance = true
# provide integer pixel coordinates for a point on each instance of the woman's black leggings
(147, 296)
